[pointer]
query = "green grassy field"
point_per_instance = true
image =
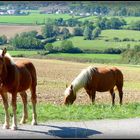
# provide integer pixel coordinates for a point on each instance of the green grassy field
(108, 58)
(22, 53)
(101, 44)
(36, 17)
(46, 112)
(104, 58)
(32, 18)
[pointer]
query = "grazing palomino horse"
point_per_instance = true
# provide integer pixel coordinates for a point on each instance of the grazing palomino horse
(17, 77)
(94, 79)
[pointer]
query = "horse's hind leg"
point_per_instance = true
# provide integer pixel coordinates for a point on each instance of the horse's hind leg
(120, 93)
(112, 96)
(25, 112)
(5, 102)
(34, 101)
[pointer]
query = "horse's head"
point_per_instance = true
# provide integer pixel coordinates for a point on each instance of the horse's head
(3, 70)
(70, 96)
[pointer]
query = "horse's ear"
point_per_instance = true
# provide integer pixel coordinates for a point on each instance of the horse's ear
(4, 51)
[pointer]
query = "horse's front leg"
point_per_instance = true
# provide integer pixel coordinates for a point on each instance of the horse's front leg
(7, 118)
(92, 95)
(14, 107)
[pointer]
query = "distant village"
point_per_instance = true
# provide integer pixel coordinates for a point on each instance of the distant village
(55, 9)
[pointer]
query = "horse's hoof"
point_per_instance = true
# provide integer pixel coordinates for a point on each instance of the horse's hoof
(22, 122)
(14, 127)
(34, 123)
(5, 126)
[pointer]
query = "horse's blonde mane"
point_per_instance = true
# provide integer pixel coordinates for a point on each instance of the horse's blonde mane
(81, 80)
(9, 56)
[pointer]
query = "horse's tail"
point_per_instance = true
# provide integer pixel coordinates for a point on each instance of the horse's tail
(119, 79)
(34, 75)
(32, 70)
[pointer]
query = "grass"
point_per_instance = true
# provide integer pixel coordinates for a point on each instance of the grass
(87, 57)
(131, 34)
(32, 18)
(101, 44)
(79, 112)
(67, 56)
(22, 53)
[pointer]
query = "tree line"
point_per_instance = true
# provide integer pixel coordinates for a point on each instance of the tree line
(53, 31)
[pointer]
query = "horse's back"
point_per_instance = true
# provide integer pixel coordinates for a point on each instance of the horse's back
(106, 78)
(107, 71)
(27, 71)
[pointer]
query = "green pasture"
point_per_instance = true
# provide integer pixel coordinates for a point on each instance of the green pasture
(102, 58)
(131, 19)
(131, 34)
(128, 19)
(22, 53)
(87, 56)
(101, 44)
(114, 58)
(33, 18)
(75, 112)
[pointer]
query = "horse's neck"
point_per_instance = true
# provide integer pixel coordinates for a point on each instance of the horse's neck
(77, 84)
(82, 79)
(10, 66)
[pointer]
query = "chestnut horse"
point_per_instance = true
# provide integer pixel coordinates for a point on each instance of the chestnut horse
(94, 79)
(17, 77)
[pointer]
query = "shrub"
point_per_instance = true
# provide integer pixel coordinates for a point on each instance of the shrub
(3, 39)
(126, 39)
(49, 47)
(113, 50)
(131, 55)
(26, 42)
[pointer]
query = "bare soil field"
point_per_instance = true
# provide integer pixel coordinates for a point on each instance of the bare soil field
(53, 75)
(11, 30)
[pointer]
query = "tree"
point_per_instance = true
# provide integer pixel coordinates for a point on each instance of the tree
(48, 31)
(87, 33)
(65, 33)
(49, 47)
(96, 32)
(3, 39)
(115, 23)
(101, 22)
(30, 33)
(26, 42)
(78, 31)
(56, 30)
(66, 45)
(59, 22)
